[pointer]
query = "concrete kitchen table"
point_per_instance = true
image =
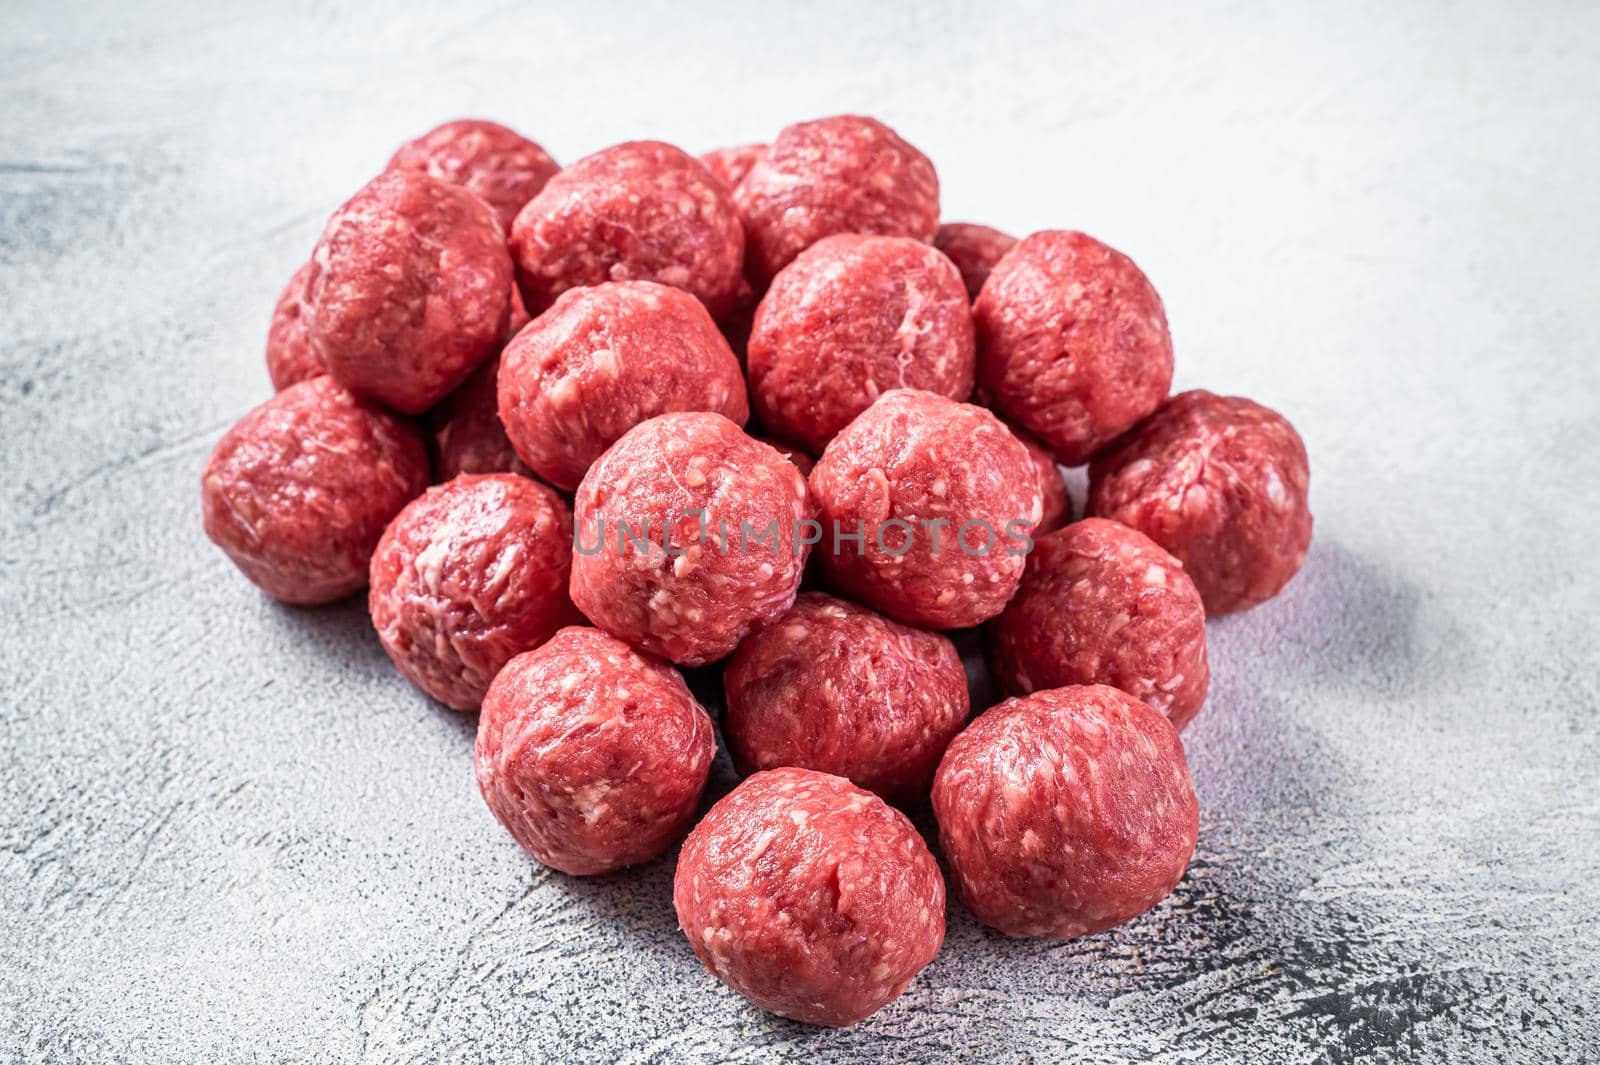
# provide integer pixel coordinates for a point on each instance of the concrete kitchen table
(230, 832)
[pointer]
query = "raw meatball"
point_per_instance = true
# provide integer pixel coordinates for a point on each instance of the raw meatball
(835, 687)
(409, 290)
(467, 434)
(1101, 603)
(601, 361)
(641, 211)
(851, 318)
(944, 498)
(592, 755)
(730, 165)
(974, 249)
(1065, 812)
(845, 174)
(290, 356)
(810, 897)
(468, 576)
(1055, 502)
(299, 491)
(504, 168)
(1221, 482)
(689, 534)
(1072, 342)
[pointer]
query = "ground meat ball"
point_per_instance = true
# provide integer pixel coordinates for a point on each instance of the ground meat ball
(845, 174)
(592, 755)
(917, 460)
(504, 168)
(1055, 502)
(835, 687)
(730, 165)
(1101, 603)
(1072, 342)
(601, 361)
(851, 318)
(721, 577)
(468, 576)
(1221, 482)
(974, 249)
(299, 491)
(641, 211)
(466, 430)
(290, 356)
(1065, 812)
(409, 290)
(810, 897)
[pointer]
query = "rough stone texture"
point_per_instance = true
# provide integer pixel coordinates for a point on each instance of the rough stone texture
(230, 832)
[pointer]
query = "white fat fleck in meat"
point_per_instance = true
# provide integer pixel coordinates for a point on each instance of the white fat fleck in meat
(431, 561)
(589, 800)
(606, 362)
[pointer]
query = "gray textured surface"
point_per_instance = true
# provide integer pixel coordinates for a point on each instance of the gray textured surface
(229, 832)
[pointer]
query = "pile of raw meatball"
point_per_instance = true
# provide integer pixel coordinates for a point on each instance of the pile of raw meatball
(760, 408)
